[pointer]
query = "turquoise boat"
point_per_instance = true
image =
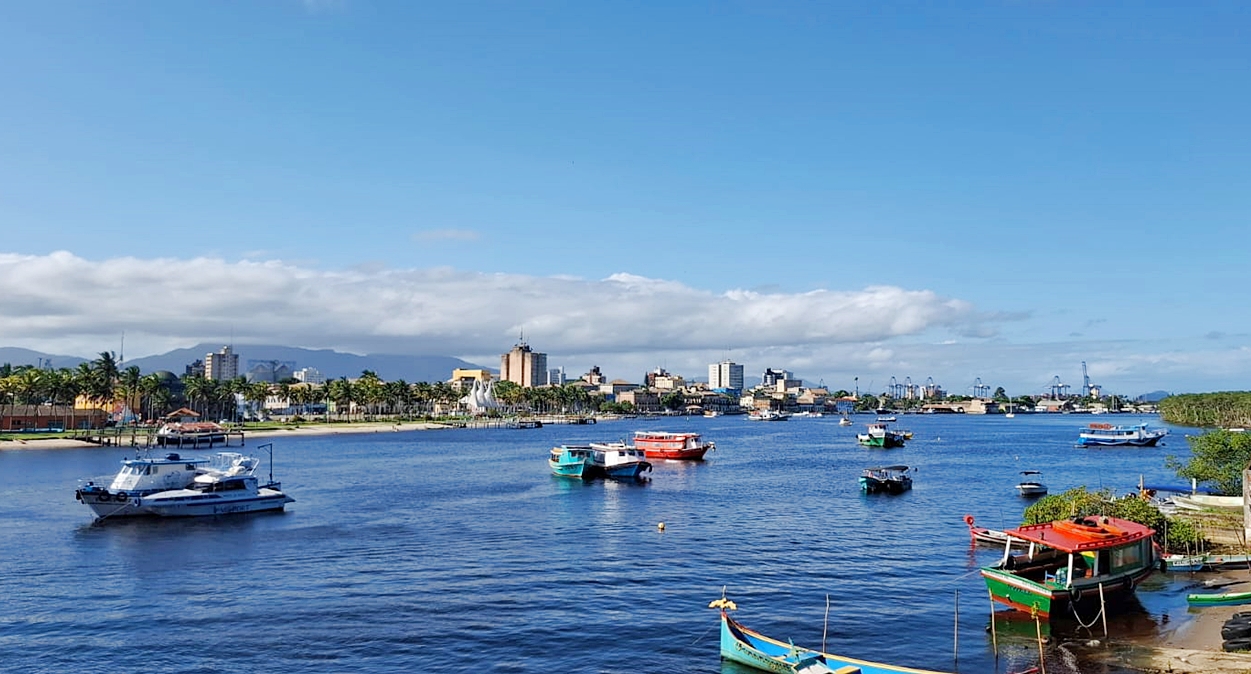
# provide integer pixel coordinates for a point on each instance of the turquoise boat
(754, 649)
(570, 461)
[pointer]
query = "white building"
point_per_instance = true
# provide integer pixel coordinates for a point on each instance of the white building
(221, 366)
(309, 375)
(725, 375)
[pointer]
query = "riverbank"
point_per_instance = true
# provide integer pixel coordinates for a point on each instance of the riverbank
(295, 430)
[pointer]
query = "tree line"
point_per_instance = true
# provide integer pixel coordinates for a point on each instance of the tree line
(1223, 409)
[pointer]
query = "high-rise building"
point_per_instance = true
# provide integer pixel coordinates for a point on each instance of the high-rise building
(726, 375)
(221, 366)
(309, 375)
(524, 367)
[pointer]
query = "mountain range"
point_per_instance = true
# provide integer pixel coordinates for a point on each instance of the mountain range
(332, 364)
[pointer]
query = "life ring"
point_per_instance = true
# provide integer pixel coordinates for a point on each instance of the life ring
(968, 519)
(1075, 594)
(1128, 584)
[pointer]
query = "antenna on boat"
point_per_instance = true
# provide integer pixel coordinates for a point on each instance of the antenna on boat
(269, 446)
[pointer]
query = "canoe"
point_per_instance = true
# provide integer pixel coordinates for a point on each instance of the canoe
(751, 648)
(1227, 599)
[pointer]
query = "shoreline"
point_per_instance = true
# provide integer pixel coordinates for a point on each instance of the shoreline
(303, 430)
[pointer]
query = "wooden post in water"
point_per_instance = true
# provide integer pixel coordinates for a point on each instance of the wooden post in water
(955, 648)
(826, 626)
(994, 638)
(1042, 661)
(1103, 611)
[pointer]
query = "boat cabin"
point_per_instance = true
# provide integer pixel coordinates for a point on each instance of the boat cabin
(147, 475)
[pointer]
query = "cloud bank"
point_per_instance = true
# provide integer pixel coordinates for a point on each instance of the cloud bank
(71, 303)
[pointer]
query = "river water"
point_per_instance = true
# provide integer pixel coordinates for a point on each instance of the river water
(457, 551)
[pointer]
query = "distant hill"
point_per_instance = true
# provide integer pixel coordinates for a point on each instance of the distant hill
(1154, 396)
(331, 363)
(15, 356)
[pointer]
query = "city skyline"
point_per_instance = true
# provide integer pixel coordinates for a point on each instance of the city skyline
(995, 190)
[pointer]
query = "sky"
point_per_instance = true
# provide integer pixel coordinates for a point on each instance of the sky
(967, 192)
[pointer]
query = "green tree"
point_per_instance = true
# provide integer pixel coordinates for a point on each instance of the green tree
(674, 400)
(1217, 458)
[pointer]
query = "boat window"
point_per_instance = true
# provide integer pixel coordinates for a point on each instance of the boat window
(156, 470)
(147, 470)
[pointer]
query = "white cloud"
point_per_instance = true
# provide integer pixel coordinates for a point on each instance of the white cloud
(62, 301)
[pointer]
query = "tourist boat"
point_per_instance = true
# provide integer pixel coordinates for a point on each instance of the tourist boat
(663, 445)
(190, 433)
(569, 460)
(881, 436)
(173, 486)
(1070, 562)
(993, 538)
(617, 460)
(753, 649)
(1031, 484)
(768, 415)
(889, 479)
(1108, 435)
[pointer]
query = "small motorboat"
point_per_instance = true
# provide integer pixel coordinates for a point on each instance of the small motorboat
(889, 479)
(569, 460)
(1031, 484)
(992, 538)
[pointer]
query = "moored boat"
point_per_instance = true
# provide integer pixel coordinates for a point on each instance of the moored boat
(749, 647)
(768, 415)
(993, 538)
(1031, 484)
(1226, 599)
(173, 486)
(879, 435)
(191, 433)
(665, 445)
(888, 479)
(617, 460)
(569, 460)
(1108, 435)
(1071, 561)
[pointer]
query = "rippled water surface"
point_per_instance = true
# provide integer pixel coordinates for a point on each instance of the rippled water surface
(456, 551)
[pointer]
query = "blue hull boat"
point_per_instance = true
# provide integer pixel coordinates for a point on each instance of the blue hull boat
(570, 461)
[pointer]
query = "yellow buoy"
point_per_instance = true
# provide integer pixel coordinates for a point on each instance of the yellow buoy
(661, 526)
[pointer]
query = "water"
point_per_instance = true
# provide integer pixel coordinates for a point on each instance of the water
(456, 551)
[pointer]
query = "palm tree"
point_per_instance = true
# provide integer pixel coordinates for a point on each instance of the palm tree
(198, 392)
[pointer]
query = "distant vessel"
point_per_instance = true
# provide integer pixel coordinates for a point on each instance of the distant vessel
(1107, 435)
(879, 435)
(190, 433)
(1031, 483)
(768, 415)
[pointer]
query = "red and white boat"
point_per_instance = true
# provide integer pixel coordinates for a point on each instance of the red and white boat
(663, 445)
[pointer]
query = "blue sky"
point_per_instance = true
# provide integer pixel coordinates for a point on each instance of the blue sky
(997, 190)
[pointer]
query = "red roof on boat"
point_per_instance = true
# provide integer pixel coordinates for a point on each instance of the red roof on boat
(1083, 533)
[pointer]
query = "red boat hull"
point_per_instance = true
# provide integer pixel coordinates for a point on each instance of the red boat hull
(674, 446)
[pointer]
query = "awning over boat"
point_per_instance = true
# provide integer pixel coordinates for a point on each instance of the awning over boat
(1071, 536)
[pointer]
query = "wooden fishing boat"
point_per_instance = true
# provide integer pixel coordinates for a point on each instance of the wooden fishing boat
(1206, 562)
(1227, 599)
(1071, 561)
(748, 647)
(662, 445)
(992, 538)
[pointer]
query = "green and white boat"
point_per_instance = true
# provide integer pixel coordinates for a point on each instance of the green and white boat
(1071, 563)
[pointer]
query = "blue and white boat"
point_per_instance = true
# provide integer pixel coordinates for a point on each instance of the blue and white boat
(1108, 435)
(618, 460)
(570, 461)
